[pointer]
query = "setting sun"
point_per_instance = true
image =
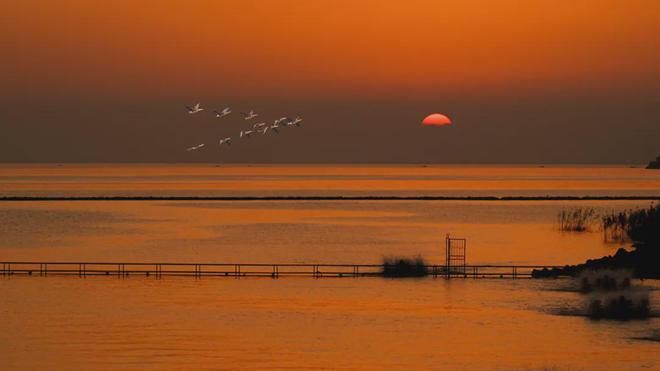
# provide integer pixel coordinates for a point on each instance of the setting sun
(436, 119)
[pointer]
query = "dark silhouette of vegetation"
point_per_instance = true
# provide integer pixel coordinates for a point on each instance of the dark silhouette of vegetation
(604, 282)
(642, 227)
(614, 226)
(576, 219)
(404, 267)
(611, 295)
(619, 308)
(617, 226)
(654, 164)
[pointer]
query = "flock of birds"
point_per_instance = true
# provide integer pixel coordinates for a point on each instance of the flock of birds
(260, 127)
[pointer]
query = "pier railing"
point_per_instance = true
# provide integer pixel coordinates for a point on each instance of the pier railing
(237, 270)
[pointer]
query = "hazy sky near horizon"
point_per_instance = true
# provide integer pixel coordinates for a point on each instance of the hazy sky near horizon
(524, 81)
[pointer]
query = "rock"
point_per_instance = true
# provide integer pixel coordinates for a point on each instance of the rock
(654, 164)
(643, 261)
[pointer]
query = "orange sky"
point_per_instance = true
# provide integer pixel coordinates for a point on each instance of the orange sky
(260, 48)
(523, 81)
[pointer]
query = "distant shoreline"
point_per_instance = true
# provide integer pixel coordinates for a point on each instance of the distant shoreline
(329, 198)
(357, 165)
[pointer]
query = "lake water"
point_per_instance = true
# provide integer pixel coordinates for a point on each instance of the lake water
(176, 322)
(305, 180)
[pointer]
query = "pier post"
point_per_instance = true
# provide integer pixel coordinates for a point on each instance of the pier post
(447, 255)
(274, 274)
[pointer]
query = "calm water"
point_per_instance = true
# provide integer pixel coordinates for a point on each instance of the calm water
(303, 180)
(138, 323)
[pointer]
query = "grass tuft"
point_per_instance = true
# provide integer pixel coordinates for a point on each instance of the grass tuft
(397, 267)
(577, 219)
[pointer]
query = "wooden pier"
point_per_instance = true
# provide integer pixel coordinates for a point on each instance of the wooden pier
(237, 270)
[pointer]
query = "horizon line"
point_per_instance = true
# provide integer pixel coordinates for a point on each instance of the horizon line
(537, 164)
(329, 198)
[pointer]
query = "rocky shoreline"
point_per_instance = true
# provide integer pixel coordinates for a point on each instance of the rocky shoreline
(643, 261)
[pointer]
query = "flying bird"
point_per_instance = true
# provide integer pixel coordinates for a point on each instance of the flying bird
(249, 115)
(246, 133)
(225, 141)
(258, 126)
(274, 128)
(295, 122)
(195, 148)
(225, 111)
(195, 109)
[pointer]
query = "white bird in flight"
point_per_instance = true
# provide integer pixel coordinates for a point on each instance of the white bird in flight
(194, 148)
(195, 109)
(246, 133)
(260, 127)
(225, 111)
(250, 115)
(295, 122)
(274, 128)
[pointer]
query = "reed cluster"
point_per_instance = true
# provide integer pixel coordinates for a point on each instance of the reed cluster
(615, 226)
(605, 280)
(577, 219)
(641, 226)
(394, 267)
(611, 295)
(620, 308)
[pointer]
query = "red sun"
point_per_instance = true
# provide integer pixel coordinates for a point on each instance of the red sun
(436, 119)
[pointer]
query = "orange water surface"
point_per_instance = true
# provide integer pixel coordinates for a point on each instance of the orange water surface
(103, 323)
(324, 180)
